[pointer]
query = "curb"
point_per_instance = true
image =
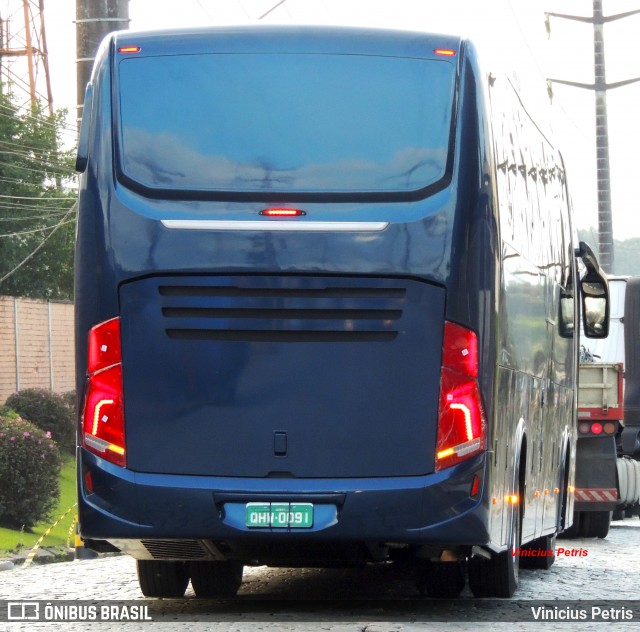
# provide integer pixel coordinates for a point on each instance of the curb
(42, 556)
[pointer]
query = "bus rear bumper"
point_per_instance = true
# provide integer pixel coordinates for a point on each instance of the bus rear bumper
(138, 512)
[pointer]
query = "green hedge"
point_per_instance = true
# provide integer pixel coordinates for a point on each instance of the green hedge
(29, 469)
(49, 412)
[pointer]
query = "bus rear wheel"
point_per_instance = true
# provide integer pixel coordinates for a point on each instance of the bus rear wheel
(498, 576)
(441, 579)
(540, 553)
(158, 578)
(216, 579)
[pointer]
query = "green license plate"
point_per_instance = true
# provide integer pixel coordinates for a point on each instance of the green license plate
(279, 515)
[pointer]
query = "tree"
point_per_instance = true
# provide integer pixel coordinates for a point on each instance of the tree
(37, 211)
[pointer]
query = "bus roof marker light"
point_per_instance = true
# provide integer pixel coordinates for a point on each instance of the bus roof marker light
(445, 52)
(127, 50)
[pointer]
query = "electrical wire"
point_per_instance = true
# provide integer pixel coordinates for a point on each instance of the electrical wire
(40, 245)
(199, 2)
(29, 197)
(33, 231)
(56, 169)
(60, 127)
(535, 61)
(244, 10)
(273, 8)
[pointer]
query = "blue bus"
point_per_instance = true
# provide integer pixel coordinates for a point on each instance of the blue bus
(327, 295)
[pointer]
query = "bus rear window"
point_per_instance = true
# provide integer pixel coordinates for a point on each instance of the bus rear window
(285, 123)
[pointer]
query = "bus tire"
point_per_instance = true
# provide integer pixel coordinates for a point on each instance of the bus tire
(443, 580)
(595, 524)
(546, 543)
(159, 578)
(498, 576)
(216, 579)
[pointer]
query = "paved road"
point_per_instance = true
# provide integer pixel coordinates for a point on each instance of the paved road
(376, 599)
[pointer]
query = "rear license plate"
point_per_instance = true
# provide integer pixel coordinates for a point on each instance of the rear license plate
(280, 515)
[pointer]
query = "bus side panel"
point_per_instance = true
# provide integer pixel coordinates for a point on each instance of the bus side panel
(537, 268)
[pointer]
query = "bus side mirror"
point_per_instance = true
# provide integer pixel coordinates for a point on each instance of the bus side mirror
(594, 291)
(595, 309)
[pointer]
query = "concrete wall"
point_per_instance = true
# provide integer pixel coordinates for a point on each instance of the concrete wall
(36, 345)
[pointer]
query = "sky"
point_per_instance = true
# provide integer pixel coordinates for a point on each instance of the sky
(510, 32)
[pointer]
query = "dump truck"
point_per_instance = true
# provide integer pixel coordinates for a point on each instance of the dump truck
(608, 447)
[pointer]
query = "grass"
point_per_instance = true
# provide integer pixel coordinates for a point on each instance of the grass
(16, 541)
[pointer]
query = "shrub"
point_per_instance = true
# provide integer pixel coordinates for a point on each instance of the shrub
(69, 399)
(48, 412)
(29, 469)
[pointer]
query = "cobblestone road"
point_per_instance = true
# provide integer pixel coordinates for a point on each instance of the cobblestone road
(376, 599)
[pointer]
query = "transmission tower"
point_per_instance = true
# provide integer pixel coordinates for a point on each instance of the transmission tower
(600, 87)
(24, 66)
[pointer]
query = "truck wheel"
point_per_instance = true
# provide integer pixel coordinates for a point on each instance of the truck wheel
(216, 579)
(574, 530)
(595, 524)
(162, 579)
(441, 579)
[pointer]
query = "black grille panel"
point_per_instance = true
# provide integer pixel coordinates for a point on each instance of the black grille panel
(282, 309)
(176, 549)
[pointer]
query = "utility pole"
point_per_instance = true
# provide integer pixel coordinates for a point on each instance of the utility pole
(94, 20)
(23, 51)
(600, 87)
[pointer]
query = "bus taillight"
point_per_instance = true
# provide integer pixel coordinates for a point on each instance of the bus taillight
(103, 418)
(461, 421)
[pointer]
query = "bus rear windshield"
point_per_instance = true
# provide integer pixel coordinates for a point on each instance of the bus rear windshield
(285, 123)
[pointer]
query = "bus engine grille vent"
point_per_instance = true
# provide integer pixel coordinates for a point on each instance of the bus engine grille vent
(284, 310)
(176, 549)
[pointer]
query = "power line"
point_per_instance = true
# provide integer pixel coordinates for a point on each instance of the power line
(40, 245)
(12, 113)
(33, 231)
(204, 10)
(600, 86)
(55, 169)
(32, 197)
(273, 8)
(244, 10)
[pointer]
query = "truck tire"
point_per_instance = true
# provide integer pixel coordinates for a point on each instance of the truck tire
(595, 524)
(574, 530)
(621, 468)
(636, 477)
(631, 481)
